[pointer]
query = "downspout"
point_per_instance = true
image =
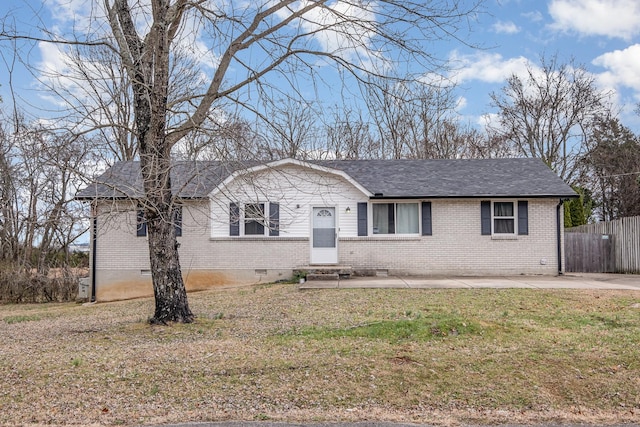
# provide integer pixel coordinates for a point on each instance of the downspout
(559, 235)
(94, 246)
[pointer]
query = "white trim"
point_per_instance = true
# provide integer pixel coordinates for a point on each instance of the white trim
(243, 219)
(505, 236)
(258, 238)
(336, 224)
(395, 202)
(287, 162)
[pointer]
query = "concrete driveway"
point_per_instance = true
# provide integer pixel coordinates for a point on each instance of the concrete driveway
(566, 281)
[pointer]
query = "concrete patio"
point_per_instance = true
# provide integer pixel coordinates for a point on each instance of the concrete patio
(566, 281)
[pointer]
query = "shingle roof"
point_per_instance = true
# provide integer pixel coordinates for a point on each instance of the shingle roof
(456, 178)
(188, 180)
(470, 178)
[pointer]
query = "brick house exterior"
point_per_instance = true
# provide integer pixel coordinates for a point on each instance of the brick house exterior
(253, 223)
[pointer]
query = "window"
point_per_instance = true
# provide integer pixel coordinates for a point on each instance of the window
(250, 219)
(395, 218)
(503, 218)
(177, 220)
(141, 221)
(254, 219)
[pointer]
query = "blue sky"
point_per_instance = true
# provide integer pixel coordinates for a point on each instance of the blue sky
(602, 35)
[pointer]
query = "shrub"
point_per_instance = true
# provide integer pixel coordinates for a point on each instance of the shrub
(23, 286)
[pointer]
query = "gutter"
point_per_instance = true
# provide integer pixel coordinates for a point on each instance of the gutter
(380, 196)
(559, 236)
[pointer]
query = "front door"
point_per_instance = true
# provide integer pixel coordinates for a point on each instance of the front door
(324, 238)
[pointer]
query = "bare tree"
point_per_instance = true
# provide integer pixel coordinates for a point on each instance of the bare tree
(9, 238)
(614, 169)
(485, 145)
(348, 136)
(388, 102)
(435, 131)
(251, 41)
(446, 139)
(39, 171)
(100, 100)
(416, 119)
(230, 139)
(548, 114)
(292, 126)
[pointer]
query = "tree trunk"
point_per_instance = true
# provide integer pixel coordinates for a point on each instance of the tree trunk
(148, 70)
(168, 286)
(169, 290)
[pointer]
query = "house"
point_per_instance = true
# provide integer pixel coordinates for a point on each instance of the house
(258, 222)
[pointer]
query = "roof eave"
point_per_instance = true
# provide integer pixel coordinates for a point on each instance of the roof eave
(92, 198)
(479, 196)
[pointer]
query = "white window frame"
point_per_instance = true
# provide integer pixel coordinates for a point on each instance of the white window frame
(395, 212)
(244, 219)
(513, 217)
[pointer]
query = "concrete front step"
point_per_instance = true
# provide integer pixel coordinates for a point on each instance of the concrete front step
(323, 276)
(324, 272)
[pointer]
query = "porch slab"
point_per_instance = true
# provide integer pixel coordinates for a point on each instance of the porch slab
(496, 283)
(567, 281)
(445, 283)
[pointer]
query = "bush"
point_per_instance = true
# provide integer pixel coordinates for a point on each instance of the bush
(20, 286)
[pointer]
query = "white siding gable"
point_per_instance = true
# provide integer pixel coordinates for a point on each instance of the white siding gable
(296, 189)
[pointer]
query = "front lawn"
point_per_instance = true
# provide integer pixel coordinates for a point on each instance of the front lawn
(275, 353)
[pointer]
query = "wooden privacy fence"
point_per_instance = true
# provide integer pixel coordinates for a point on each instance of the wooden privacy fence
(587, 253)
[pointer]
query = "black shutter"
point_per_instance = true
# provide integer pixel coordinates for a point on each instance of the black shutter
(141, 224)
(177, 220)
(391, 209)
(234, 219)
(485, 217)
(274, 219)
(426, 219)
(362, 219)
(523, 217)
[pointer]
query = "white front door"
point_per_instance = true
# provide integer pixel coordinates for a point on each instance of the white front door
(324, 236)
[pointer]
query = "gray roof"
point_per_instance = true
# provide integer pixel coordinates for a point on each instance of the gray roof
(188, 180)
(469, 178)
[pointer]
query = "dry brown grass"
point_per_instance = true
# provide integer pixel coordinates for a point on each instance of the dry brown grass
(272, 352)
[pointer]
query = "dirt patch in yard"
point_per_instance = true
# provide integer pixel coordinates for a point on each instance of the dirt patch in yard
(445, 357)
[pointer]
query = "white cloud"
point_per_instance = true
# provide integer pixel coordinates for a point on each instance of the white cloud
(508, 27)
(610, 18)
(53, 69)
(488, 120)
(70, 11)
(535, 16)
(487, 67)
(343, 28)
(622, 68)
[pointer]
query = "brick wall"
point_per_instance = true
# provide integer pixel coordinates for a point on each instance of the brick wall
(456, 247)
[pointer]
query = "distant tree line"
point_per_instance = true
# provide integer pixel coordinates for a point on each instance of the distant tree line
(40, 170)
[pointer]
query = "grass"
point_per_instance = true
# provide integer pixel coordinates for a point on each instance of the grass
(20, 318)
(396, 331)
(423, 356)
